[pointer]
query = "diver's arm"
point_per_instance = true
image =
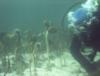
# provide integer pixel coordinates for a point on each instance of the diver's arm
(75, 50)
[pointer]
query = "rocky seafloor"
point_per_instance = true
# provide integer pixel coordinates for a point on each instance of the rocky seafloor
(63, 65)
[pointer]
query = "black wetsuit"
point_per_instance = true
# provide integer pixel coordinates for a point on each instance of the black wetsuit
(90, 38)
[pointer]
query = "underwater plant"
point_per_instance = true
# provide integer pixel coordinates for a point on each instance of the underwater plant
(8, 43)
(47, 25)
(47, 47)
(5, 52)
(33, 59)
(8, 65)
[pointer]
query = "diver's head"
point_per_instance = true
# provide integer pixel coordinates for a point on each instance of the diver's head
(83, 15)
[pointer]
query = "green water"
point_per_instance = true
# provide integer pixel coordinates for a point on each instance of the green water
(35, 49)
(29, 14)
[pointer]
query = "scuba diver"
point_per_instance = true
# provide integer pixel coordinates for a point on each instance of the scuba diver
(84, 25)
